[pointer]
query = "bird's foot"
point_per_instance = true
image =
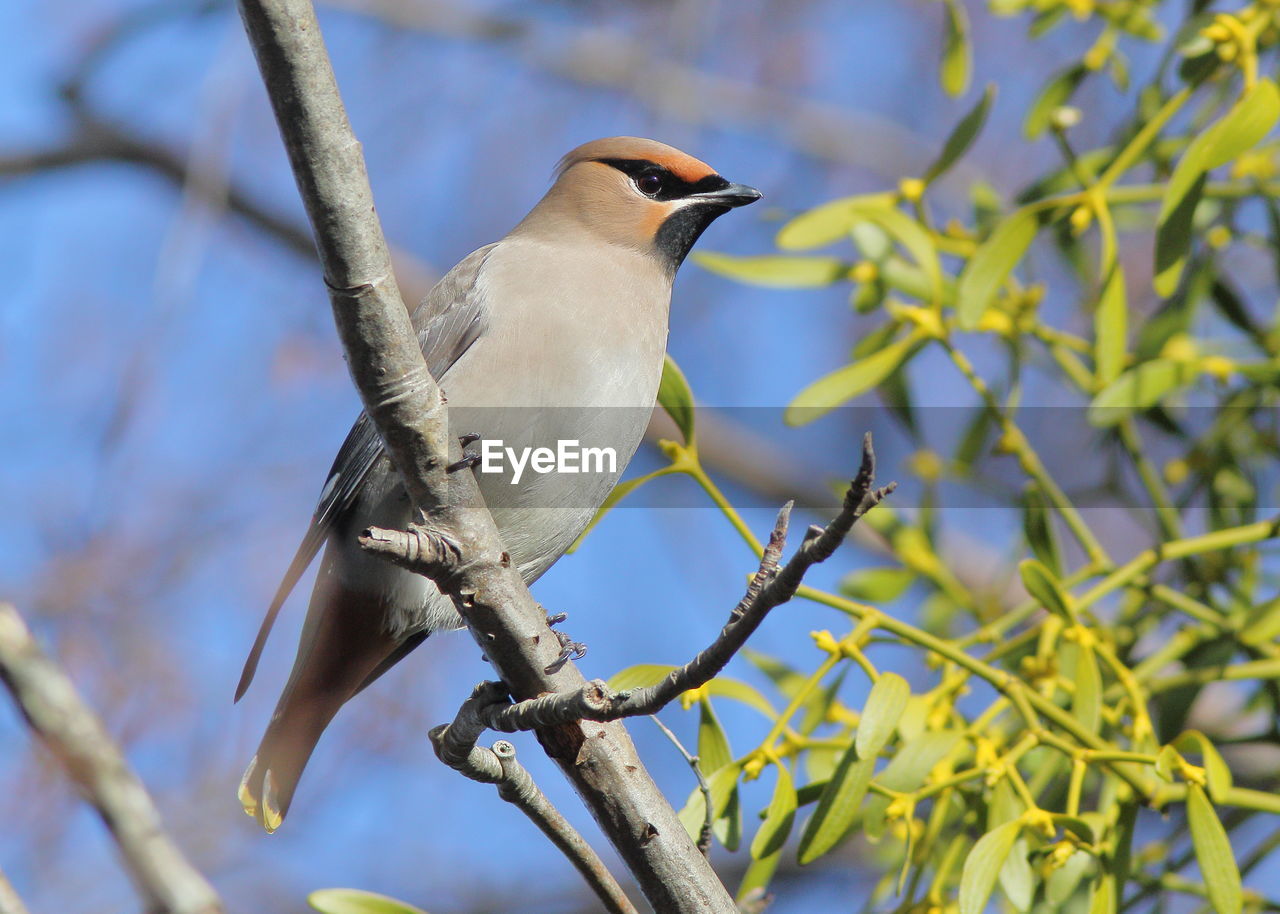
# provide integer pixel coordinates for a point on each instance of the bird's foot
(554, 620)
(569, 649)
(468, 461)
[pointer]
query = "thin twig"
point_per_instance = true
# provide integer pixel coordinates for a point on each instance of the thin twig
(770, 586)
(72, 732)
(708, 814)
(455, 745)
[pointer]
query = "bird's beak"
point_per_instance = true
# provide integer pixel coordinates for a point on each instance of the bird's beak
(733, 195)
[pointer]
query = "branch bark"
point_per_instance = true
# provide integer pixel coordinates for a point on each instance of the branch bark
(455, 745)
(405, 403)
(54, 710)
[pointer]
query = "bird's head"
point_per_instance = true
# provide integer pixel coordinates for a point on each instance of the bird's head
(642, 194)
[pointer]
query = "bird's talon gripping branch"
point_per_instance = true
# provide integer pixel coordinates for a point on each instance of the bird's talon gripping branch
(468, 461)
(555, 619)
(569, 650)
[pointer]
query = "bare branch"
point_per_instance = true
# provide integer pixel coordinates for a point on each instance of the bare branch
(455, 745)
(408, 410)
(72, 732)
(708, 813)
(770, 587)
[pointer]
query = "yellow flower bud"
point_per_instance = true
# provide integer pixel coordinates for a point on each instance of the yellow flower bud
(926, 464)
(865, 271)
(1181, 348)
(993, 321)
(826, 642)
(1218, 237)
(1081, 217)
(912, 189)
(1218, 366)
(1040, 819)
(1176, 472)
(1217, 32)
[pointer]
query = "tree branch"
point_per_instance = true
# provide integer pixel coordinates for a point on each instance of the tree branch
(405, 404)
(770, 586)
(455, 745)
(72, 732)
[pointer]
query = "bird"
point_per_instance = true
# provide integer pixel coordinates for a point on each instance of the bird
(555, 333)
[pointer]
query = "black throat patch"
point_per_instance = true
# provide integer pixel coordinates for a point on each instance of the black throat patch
(681, 230)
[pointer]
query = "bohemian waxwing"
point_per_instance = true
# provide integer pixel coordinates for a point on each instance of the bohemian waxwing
(554, 334)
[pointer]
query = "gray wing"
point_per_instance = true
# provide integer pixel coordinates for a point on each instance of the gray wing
(448, 321)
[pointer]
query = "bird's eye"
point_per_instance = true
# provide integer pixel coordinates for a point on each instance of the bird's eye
(650, 185)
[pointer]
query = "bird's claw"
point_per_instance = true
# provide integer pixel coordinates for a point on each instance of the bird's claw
(556, 619)
(468, 461)
(569, 650)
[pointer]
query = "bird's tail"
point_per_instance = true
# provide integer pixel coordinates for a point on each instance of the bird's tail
(344, 646)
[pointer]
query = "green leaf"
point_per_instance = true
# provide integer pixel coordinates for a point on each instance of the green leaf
(1037, 527)
(957, 56)
(1045, 588)
(1086, 704)
(1111, 326)
(643, 675)
(355, 901)
(727, 826)
(779, 817)
(735, 689)
(1140, 388)
(885, 704)
(962, 135)
(1217, 774)
(1166, 762)
(877, 585)
(843, 384)
(873, 241)
(723, 785)
(912, 236)
(1213, 853)
(1063, 881)
(828, 222)
(776, 272)
(758, 875)
(1103, 900)
(1056, 93)
(713, 746)
(907, 772)
(1173, 237)
(991, 264)
(982, 866)
(1237, 130)
(837, 807)
(1016, 878)
(818, 703)
(640, 676)
(1077, 825)
(620, 491)
(676, 398)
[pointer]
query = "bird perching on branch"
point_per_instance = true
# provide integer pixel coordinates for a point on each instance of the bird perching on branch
(554, 334)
